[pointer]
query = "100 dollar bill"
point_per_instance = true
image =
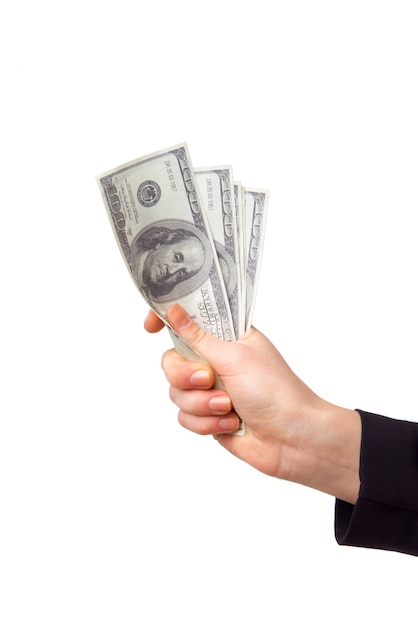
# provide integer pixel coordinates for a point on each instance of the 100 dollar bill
(216, 185)
(255, 214)
(158, 220)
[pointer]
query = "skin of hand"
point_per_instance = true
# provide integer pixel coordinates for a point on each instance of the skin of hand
(290, 432)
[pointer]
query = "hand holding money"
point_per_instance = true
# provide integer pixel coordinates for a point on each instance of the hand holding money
(189, 236)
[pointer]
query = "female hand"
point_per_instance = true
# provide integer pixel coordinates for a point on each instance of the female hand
(291, 433)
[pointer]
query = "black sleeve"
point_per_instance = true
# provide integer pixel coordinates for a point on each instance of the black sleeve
(385, 515)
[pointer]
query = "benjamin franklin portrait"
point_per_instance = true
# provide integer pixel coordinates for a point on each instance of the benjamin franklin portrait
(170, 259)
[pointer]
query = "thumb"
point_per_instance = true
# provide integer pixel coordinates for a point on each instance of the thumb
(200, 341)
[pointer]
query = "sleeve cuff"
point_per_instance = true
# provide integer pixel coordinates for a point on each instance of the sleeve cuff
(385, 515)
(371, 524)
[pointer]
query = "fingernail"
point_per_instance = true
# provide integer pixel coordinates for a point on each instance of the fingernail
(200, 378)
(220, 404)
(230, 424)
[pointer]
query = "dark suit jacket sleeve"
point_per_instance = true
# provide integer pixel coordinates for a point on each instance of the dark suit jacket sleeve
(386, 513)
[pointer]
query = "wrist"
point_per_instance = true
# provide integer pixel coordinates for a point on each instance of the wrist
(339, 455)
(328, 454)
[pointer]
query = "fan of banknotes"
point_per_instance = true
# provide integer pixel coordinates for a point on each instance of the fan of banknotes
(191, 235)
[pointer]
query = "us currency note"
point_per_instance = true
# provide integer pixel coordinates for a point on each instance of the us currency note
(240, 228)
(216, 185)
(255, 210)
(156, 213)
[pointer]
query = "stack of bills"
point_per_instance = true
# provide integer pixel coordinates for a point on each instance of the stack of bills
(191, 235)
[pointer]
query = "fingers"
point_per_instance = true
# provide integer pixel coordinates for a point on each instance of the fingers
(210, 402)
(152, 323)
(209, 425)
(186, 374)
(205, 411)
(202, 409)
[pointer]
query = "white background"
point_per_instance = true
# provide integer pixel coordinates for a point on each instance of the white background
(110, 512)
